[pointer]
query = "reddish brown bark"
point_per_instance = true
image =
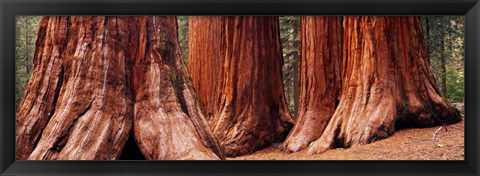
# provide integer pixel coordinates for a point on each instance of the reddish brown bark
(82, 86)
(39, 99)
(82, 71)
(206, 36)
(235, 63)
(386, 84)
(320, 79)
(252, 111)
(168, 122)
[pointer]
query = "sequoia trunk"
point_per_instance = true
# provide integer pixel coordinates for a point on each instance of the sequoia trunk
(320, 79)
(42, 92)
(168, 122)
(253, 112)
(386, 84)
(206, 37)
(250, 111)
(79, 76)
(81, 99)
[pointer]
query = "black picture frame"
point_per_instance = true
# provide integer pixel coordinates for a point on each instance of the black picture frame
(9, 9)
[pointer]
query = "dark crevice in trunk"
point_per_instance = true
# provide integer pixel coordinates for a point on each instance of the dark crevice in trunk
(54, 103)
(339, 140)
(62, 140)
(178, 85)
(131, 151)
(57, 94)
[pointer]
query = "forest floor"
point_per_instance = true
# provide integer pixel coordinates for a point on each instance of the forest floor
(405, 144)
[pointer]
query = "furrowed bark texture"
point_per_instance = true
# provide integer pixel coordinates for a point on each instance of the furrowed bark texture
(206, 48)
(81, 70)
(386, 84)
(93, 76)
(48, 74)
(320, 79)
(168, 122)
(252, 111)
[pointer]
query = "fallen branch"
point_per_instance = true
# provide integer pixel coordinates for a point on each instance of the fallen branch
(454, 127)
(435, 134)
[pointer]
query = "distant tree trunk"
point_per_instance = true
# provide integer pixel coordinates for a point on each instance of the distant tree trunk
(251, 111)
(296, 59)
(443, 68)
(386, 84)
(82, 86)
(27, 49)
(320, 78)
(428, 35)
(206, 54)
(295, 85)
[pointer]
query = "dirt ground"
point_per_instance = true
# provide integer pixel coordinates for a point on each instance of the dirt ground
(406, 144)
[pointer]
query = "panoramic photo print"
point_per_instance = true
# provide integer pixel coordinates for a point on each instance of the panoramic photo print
(239, 88)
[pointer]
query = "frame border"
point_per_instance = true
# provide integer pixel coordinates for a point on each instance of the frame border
(9, 9)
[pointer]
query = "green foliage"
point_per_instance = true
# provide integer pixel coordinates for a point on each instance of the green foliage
(182, 22)
(444, 38)
(289, 35)
(25, 36)
(455, 84)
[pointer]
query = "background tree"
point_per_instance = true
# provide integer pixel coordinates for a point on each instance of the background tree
(183, 36)
(320, 79)
(444, 39)
(84, 66)
(386, 84)
(26, 35)
(290, 37)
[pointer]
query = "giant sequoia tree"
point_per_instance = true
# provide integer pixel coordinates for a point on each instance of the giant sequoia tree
(320, 79)
(94, 76)
(249, 110)
(386, 83)
(206, 38)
